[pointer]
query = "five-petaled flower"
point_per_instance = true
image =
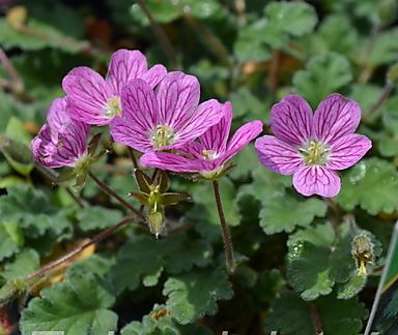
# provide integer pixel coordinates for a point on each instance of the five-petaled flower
(97, 101)
(61, 141)
(164, 119)
(311, 147)
(210, 153)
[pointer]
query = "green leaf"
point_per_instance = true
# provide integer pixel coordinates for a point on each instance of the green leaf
(143, 259)
(78, 306)
(168, 10)
(95, 217)
(8, 245)
(274, 218)
(25, 263)
(248, 106)
(323, 75)
(17, 154)
(34, 213)
(352, 287)
(294, 18)
(373, 185)
(318, 258)
(366, 95)
(383, 49)
(41, 36)
(16, 131)
(158, 322)
(336, 33)
(289, 315)
(194, 295)
(250, 45)
(309, 271)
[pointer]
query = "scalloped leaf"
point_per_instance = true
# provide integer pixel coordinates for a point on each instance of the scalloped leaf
(373, 185)
(194, 295)
(144, 259)
(323, 74)
(78, 306)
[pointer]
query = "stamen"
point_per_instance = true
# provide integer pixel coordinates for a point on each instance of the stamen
(315, 153)
(209, 154)
(113, 107)
(163, 136)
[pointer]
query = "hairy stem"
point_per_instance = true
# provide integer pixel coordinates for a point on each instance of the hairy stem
(94, 240)
(226, 234)
(75, 197)
(133, 158)
(106, 189)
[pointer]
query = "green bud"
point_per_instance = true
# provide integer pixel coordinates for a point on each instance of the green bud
(156, 223)
(362, 249)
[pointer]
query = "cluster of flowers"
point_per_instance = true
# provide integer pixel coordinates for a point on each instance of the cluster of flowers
(158, 113)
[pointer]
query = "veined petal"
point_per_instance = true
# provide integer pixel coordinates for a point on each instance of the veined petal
(291, 120)
(57, 116)
(347, 151)
(310, 180)
(206, 115)
(87, 94)
(170, 162)
(125, 65)
(335, 117)
(242, 137)
(139, 116)
(277, 155)
(178, 96)
(139, 104)
(69, 146)
(154, 75)
(216, 137)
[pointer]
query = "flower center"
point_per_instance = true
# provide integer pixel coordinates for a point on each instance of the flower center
(113, 107)
(209, 154)
(315, 153)
(163, 136)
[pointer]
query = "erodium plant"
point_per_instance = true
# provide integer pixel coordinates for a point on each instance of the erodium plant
(158, 114)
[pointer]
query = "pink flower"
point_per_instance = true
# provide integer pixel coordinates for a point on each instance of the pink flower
(166, 119)
(210, 153)
(311, 147)
(95, 100)
(61, 141)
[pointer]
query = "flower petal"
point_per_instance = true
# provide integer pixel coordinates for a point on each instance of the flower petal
(125, 65)
(242, 137)
(291, 120)
(154, 75)
(139, 116)
(57, 116)
(347, 151)
(216, 137)
(206, 115)
(87, 93)
(170, 162)
(69, 145)
(309, 180)
(277, 155)
(178, 96)
(335, 117)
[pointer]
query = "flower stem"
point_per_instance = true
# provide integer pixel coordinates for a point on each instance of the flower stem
(94, 240)
(106, 189)
(160, 34)
(226, 234)
(133, 158)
